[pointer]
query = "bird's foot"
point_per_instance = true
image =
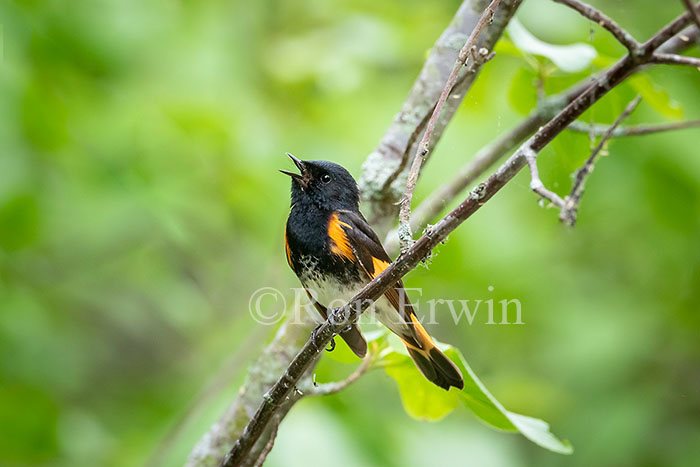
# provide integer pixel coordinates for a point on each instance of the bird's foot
(313, 339)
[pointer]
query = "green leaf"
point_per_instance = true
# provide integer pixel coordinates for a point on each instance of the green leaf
(656, 97)
(342, 353)
(423, 400)
(480, 401)
(537, 431)
(522, 94)
(569, 58)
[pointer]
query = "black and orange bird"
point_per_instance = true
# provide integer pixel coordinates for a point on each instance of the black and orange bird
(335, 253)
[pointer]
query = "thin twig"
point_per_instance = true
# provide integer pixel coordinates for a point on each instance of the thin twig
(598, 17)
(569, 210)
(331, 388)
(405, 235)
(479, 59)
(536, 184)
(664, 34)
(636, 130)
(674, 59)
(488, 155)
(270, 443)
(468, 173)
(409, 145)
(693, 9)
(381, 198)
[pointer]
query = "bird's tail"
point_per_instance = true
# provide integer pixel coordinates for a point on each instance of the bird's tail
(434, 364)
(353, 337)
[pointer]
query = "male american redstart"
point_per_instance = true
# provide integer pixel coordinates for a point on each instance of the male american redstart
(334, 253)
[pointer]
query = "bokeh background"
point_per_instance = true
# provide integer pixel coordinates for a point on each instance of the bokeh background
(140, 207)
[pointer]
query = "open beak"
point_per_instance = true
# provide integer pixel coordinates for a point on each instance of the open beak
(302, 177)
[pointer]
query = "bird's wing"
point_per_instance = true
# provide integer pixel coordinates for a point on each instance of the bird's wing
(353, 237)
(373, 259)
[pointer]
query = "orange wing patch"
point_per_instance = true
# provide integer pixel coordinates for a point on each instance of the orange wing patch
(340, 245)
(286, 247)
(379, 266)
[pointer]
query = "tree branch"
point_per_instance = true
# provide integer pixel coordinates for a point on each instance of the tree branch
(681, 41)
(488, 155)
(275, 424)
(693, 9)
(469, 49)
(263, 373)
(468, 173)
(383, 174)
(536, 184)
(636, 130)
(331, 388)
(569, 209)
(673, 59)
(666, 33)
(622, 36)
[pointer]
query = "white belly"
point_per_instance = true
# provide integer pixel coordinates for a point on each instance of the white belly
(332, 293)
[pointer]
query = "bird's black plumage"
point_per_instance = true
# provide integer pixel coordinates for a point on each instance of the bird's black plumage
(334, 252)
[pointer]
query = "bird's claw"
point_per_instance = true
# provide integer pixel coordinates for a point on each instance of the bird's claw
(313, 339)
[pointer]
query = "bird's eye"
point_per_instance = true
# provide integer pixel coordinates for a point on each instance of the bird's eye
(326, 178)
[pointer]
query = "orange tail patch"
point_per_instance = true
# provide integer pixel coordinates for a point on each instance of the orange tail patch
(378, 266)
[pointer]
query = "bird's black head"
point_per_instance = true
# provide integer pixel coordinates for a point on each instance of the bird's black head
(323, 184)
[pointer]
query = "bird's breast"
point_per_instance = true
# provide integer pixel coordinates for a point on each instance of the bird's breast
(330, 283)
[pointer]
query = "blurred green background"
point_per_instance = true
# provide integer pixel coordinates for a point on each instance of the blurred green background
(140, 207)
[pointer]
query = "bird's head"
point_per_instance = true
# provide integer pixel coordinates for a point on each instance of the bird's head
(323, 183)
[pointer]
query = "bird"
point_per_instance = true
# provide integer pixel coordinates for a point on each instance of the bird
(334, 252)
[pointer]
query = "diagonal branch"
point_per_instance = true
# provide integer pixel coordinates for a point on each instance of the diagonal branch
(694, 11)
(469, 49)
(383, 179)
(407, 152)
(479, 59)
(569, 209)
(488, 155)
(624, 37)
(275, 424)
(681, 41)
(665, 34)
(467, 174)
